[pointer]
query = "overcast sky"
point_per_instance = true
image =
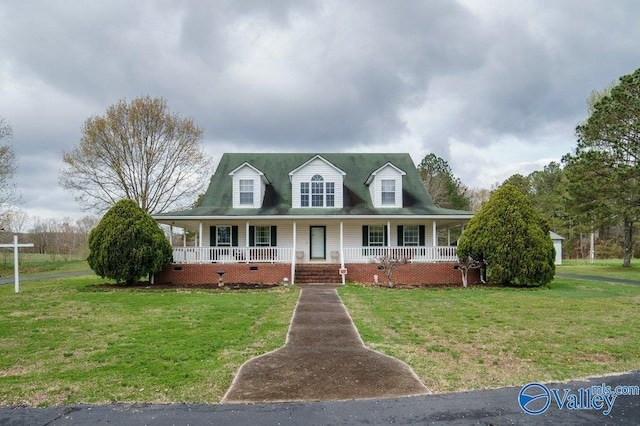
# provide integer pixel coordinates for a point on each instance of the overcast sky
(493, 87)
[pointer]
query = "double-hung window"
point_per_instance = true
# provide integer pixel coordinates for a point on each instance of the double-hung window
(376, 235)
(330, 194)
(304, 194)
(263, 236)
(411, 235)
(388, 191)
(246, 192)
(223, 236)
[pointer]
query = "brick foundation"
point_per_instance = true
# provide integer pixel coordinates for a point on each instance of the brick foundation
(274, 273)
(411, 274)
(235, 273)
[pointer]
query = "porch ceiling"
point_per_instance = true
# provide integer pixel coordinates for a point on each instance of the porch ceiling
(193, 223)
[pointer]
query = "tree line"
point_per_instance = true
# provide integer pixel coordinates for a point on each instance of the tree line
(58, 238)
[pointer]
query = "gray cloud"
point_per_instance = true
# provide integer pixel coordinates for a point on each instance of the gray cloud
(314, 75)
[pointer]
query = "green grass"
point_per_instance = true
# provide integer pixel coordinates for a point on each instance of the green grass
(35, 263)
(483, 337)
(66, 341)
(611, 268)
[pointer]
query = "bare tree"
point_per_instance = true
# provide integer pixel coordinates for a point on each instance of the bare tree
(7, 166)
(466, 264)
(388, 264)
(140, 151)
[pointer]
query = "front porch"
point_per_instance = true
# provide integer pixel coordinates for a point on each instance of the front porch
(268, 250)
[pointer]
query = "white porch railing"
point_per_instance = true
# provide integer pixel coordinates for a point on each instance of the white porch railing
(412, 254)
(232, 254)
(284, 254)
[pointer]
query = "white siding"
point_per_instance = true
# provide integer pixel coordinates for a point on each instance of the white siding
(352, 232)
(375, 188)
(247, 172)
(316, 167)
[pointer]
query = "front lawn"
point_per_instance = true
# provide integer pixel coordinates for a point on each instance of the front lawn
(484, 337)
(611, 268)
(66, 342)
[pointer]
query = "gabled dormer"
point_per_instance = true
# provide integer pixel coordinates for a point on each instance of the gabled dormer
(317, 183)
(249, 186)
(385, 186)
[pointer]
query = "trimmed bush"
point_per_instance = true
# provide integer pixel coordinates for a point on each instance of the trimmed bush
(512, 238)
(128, 244)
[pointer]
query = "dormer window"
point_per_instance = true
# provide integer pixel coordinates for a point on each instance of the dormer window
(249, 186)
(385, 186)
(246, 192)
(317, 183)
(322, 193)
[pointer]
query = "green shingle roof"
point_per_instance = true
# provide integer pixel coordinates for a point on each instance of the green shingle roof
(217, 201)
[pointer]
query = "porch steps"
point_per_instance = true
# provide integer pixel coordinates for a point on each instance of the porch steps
(309, 273)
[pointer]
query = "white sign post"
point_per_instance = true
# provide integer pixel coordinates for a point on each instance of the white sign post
(16, 272)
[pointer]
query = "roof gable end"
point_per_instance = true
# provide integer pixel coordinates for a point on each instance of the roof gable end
(317, 157)
(375, 172)
(247, 164)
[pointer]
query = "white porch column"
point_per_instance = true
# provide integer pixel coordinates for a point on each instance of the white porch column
(184, 237)
(435, 234)
(171, 235)
(389, 233)
(200, 232)
(246, 241)
(293, 255)
(342, 250)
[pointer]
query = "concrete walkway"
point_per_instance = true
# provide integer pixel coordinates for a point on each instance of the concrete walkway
(324, 359)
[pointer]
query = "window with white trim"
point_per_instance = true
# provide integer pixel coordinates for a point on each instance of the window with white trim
(317, 193)
(263, 236)
(246, 192)
(331, 194)
(388, 187)
(411, 235)
(376, 235)
(223, 236)
(304, 194)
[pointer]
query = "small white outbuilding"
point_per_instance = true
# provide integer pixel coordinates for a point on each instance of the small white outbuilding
(557, 243)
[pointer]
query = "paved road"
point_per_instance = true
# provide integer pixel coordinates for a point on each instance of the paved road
(10, 280)
(489, 407)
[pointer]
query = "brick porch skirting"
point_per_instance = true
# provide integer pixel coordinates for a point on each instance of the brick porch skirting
(274, 273)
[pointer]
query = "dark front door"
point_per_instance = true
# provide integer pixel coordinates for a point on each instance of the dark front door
(318, 242)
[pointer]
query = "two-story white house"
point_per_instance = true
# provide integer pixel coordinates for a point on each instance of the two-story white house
(314, 217)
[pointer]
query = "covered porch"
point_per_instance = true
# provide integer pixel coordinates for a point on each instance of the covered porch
(332, 241)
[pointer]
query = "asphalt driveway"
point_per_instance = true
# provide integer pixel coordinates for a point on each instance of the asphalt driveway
(485, 407)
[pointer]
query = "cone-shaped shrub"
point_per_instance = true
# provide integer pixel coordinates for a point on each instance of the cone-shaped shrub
(511, 237)
(128, 244)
